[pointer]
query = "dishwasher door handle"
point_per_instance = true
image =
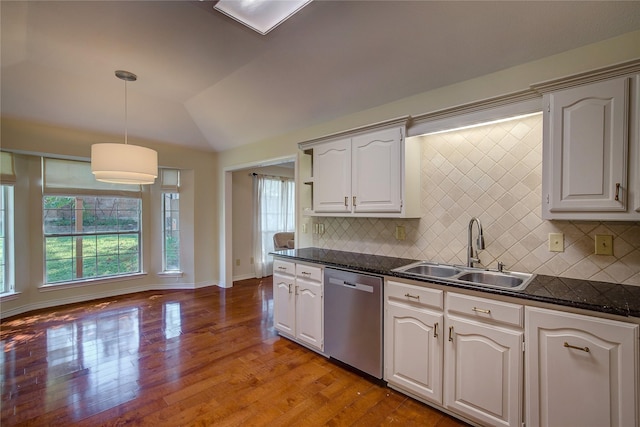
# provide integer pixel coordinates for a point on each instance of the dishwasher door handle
(357, 286)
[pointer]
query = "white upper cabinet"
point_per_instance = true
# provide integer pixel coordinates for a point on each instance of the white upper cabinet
(332, 176)
(590, 158)
(372, 172)
(376, 171)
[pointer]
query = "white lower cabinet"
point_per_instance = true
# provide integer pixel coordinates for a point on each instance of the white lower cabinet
(470, 365)
(297, 302)
(580, 370)
(413, 340)
(309, 312)
(483, 369)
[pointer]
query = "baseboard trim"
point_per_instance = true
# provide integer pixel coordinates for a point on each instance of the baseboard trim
(244, 277)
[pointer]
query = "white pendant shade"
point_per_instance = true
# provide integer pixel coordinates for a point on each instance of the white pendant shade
(124, 163)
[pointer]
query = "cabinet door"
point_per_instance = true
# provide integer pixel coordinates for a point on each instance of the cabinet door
(413, 347)
(580, 371)
(284, 314)
(484, 372)
(332, 176)
(586, 148)
(309, 312)
(377, 171)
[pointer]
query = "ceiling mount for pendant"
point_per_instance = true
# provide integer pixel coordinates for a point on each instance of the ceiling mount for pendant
(126, 76)
(124, 163)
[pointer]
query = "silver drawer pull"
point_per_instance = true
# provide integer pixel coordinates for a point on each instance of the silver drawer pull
(281, 267)
(408, 295)
(585, 349)
(481, 310)
(305, 273)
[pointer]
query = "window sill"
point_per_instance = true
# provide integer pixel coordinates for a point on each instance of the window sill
(9, 296)
(170, 274)
(89, 282)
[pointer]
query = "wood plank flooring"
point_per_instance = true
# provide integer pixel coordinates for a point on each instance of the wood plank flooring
(183, 358)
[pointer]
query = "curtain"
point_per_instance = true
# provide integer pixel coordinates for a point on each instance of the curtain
(273, 207)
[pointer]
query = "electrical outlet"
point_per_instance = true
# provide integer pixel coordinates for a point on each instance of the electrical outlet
(251, 261)
(304, 228)
(320, 228)
(238, 262)
(604, 244)
(556, 242)
(400, 232)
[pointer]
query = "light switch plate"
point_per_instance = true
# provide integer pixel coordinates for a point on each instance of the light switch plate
(604, 244)
(556, 242)
(400, 232)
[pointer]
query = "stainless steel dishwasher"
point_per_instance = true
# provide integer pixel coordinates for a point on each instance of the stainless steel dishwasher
(353, 319)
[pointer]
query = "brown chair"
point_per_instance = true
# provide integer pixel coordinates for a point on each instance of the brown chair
(283, 240)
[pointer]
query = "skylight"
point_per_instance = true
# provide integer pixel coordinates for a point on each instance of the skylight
(260, 15)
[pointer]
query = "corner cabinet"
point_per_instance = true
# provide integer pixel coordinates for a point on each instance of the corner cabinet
(369, 173)
(581, 370)
(298, 302)
(591, 164)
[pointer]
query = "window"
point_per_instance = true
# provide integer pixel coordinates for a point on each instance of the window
(7, 179)
(274, 201)
(6, 239)
(91, 229)
(170, 220)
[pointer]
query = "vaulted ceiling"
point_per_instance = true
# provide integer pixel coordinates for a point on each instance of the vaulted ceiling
(206, 81)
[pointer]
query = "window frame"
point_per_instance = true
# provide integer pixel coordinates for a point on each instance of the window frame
(165, 269)
(92, 234)
(8, 252)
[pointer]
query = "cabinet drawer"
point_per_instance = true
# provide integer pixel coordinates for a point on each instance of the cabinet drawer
(284, 267)
(485, 309)
(415, 295)
(309, 272)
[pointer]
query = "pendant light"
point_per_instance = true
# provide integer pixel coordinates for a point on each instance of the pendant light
(124, 163)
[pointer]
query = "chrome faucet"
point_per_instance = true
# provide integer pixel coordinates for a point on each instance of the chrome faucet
(479, 242)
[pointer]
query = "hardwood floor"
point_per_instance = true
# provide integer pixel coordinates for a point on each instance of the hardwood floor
(173, 358)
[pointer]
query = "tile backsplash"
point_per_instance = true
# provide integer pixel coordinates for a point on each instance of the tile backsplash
(493, 172)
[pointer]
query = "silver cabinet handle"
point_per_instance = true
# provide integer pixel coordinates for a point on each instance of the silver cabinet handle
(435, 330)
(289, 287)
(346, 198)
(617, 191)
(305, 273)
(354, 200)
(585, 349)
(481, 310)
(450, 333)
(408, 295)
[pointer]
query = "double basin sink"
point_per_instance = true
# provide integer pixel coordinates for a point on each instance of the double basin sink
(468, 275)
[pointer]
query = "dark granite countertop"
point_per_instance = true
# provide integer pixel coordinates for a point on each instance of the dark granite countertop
(604, 297)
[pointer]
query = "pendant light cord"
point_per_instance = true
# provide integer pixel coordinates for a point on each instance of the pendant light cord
(125, 112)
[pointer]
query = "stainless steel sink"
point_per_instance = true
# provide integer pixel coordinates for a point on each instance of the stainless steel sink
(468, 275)
(429, 269)
(508, 280)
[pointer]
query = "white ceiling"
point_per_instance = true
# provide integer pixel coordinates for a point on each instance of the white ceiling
(208, 82)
